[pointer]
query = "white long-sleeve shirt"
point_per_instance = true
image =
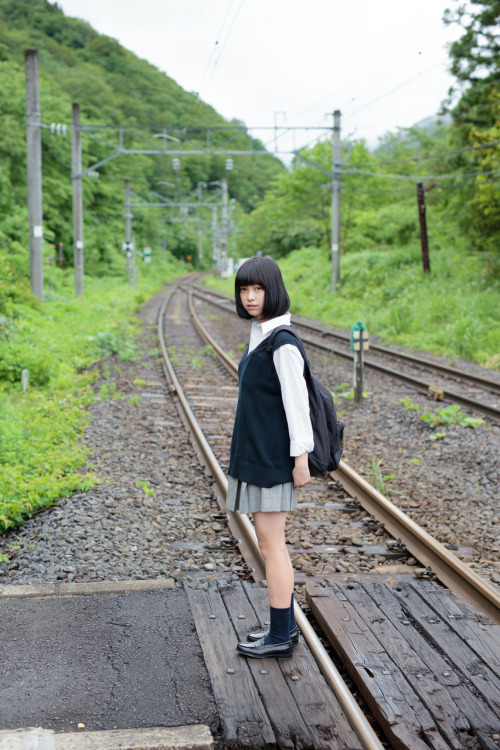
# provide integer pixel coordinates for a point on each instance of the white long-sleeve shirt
(289, 366)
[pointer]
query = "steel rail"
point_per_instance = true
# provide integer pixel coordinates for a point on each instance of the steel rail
(489, 411)
(353, 712)
(448, 568)
(492, 385)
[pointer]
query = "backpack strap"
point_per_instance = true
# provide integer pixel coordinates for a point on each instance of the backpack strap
(289, 329)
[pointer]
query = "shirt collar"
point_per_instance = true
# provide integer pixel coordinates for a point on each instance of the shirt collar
(268, 325)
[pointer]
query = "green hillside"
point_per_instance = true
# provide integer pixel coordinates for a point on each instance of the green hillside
(113, 88)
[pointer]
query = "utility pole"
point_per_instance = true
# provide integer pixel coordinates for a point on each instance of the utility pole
(215, 238)
(200, 242)
(423, 227)
(128, 231)
(223, 244)
(336, 187)
(34, 169)
(76, 153)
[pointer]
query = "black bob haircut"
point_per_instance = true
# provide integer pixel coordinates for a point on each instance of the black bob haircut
(266, 273)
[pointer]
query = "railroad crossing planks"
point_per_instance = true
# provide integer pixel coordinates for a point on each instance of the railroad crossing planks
(426, 663)
(263, 703)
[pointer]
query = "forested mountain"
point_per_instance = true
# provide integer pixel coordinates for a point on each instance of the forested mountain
(113, 87)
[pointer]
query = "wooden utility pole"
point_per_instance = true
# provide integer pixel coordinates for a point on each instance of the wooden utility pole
(34, 169)
(336, 187)
(76, 153)
(423, 227)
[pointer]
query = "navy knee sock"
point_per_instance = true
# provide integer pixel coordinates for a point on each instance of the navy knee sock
(293, 624)
(279, 632)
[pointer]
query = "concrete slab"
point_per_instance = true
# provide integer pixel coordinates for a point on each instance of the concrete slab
(191, 737)
(196, 737)
(107, 661)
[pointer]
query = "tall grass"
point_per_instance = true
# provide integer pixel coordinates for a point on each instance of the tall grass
(41, 456)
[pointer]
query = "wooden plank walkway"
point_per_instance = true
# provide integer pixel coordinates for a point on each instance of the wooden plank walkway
(426, 663)
(263, 703)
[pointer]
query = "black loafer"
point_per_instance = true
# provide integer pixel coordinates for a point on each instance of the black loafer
(256, 635)
(259, 650)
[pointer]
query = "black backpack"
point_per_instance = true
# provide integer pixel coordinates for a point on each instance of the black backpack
(328, 431)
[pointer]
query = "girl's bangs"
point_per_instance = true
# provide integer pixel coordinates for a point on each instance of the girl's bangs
(248, 275)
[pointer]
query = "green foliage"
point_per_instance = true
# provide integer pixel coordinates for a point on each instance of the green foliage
(114, 88)
(453, 415)
(475, 106)
(42, 457)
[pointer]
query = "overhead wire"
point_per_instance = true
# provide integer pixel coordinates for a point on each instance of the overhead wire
(223, 46)
(388, 63)
(429, 156)
(214, 50)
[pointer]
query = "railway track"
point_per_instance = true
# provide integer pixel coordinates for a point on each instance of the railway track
(442, 382)
(208, 403)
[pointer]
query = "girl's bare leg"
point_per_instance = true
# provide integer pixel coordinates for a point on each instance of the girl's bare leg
(270, 529)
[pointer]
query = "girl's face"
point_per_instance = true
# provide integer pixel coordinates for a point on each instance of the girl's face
(252, 298)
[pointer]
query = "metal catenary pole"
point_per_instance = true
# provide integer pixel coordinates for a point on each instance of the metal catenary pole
(34, 169)
(128, 230)
(215, 238)
(336, 187)
(76, 152)
(223, 243)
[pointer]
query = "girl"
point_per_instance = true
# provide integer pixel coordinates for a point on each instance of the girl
(271, 440)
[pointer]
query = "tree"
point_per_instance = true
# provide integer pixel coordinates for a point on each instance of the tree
(475, 62)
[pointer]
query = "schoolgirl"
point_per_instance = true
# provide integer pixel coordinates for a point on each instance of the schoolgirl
(271, 439)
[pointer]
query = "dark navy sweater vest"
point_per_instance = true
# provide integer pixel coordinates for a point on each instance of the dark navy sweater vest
(260, 448)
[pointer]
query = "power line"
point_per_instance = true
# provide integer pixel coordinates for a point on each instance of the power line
(391, 91)
(430, 156)
(388, 63)
(214, 50)
(223, 46)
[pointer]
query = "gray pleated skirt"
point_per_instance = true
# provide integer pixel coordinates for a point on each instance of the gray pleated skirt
(248, 498)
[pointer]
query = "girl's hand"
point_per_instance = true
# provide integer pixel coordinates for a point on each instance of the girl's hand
(300, 473)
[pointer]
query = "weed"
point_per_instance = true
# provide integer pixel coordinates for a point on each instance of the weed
(451, 415)
(408, 404)
(174, 359)
(380, 480)
(108, 391)
(105, 370)
(140, 382)
(415, 461)
(437, 436)
(197, 363)
(349, 395)
(208, 351)
(3, 558)
(134, 400)
(146, 488)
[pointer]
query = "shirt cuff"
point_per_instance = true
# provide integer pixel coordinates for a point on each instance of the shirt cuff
(297, 448)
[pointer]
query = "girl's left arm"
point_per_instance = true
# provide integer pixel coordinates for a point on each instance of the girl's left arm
(289, 366)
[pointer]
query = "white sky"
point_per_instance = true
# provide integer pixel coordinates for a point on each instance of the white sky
(383, 64)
